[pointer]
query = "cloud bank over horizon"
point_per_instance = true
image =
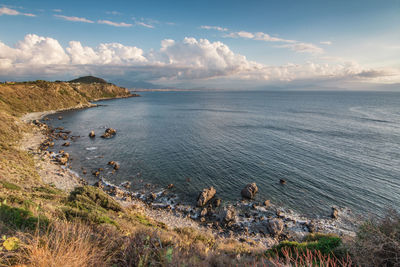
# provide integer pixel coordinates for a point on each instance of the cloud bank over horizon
(192, 61)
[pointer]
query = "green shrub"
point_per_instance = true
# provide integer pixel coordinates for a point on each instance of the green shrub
(9, 185)
(92, 216)
(46, 189)
(20, 218)
(90, 204)
(324, 243)
(90, 197)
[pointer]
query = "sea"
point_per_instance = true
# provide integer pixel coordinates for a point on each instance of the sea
(332, 148)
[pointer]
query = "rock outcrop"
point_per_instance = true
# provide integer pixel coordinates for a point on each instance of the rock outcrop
(228, 215)
(249, 191)
(205, 196)
(275, 227)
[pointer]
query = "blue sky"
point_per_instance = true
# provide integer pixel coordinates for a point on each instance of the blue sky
(215, 43)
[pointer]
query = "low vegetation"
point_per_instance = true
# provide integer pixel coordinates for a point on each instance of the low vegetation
(378, 241)
(43, 226)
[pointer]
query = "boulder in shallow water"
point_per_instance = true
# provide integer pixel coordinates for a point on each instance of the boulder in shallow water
(109, 132)
(217, 202)
(92, 134)
(335, 213)
(66, 144)
(205, 196)
(249, 191)
(126, 184)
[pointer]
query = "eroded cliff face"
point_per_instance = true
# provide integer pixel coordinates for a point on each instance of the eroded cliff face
(22, 97)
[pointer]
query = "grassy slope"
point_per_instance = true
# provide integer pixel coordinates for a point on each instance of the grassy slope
(20, 98)
(59, 228)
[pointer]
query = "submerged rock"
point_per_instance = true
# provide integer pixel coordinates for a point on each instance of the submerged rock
(66, 144)
(249, 191)
(205, 196)
(170, 186)
(126, 184)
(114, 164)
(282, 181)
(109, 132)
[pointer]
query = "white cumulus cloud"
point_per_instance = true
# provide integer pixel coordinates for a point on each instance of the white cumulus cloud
(187, 60)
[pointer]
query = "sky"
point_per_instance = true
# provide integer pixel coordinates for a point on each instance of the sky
(204, 44)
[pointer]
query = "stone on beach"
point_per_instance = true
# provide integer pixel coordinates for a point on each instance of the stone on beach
(275, 227)
(217, 202)
(228, 215)
(205, 196)
(204, 212)
(249, 191)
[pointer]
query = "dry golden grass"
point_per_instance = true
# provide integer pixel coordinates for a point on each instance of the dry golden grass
(63, 244)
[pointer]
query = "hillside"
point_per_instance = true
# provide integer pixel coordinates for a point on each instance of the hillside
(88, 79)
(21, 97)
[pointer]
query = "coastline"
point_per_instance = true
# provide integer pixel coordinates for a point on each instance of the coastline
(64, 179)
(31, 116)
(250, 218)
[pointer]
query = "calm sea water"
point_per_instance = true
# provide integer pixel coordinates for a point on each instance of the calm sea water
(333, 148)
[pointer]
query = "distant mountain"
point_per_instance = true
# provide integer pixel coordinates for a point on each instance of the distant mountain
(88, 79)
(138, 84)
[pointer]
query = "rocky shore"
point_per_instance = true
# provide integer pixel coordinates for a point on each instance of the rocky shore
(246, 220)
